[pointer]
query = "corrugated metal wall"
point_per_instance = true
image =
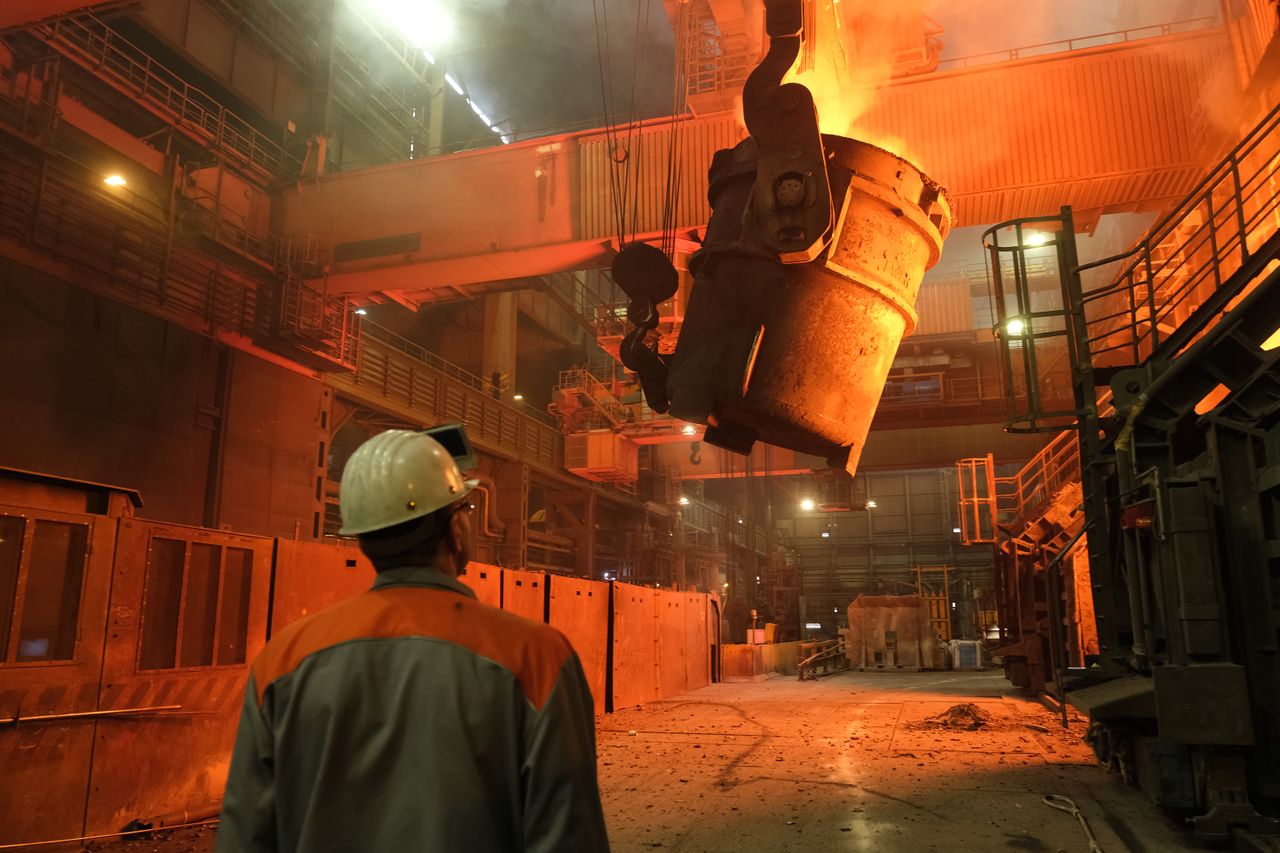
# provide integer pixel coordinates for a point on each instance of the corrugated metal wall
(648, 153)
(1254, 30)
(1087, 128)
(944, 308)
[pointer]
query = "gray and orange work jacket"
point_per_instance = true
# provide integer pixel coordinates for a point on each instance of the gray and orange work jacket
(414, 718)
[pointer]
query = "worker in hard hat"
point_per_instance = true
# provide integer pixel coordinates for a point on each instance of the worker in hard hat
(412, 717)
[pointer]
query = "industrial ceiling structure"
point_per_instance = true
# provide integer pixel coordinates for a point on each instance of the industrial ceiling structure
(947, 333)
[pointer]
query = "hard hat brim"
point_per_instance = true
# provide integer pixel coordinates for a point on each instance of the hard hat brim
(468, 486)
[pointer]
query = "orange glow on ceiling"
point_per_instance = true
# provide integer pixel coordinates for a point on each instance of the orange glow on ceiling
(849, 55)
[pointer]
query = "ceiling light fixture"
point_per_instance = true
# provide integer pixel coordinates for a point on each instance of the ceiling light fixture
(807, 504)
(683, 501)
(1015, 327)
(114, 180)
(424, 24)
(517, 396)
(689, 429)
(871, 504)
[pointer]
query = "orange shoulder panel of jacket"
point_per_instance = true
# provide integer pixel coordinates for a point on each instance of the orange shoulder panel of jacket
(532, 651)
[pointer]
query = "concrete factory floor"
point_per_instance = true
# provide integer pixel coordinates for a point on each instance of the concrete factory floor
(848, 763)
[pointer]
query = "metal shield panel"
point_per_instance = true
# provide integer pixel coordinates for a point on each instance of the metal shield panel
(580, 610)
(164, 758)
(673, 679)
(486, 582)
(46, 763)
(697, 640)
(635, 646)
(525, 594)
(311, 576)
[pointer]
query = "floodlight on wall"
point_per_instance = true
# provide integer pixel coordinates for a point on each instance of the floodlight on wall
(807, 504)
(423, 23)
(689, 429)
(683, 501)
(871, 504)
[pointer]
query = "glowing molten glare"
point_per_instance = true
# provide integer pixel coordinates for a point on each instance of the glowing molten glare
(850, 52)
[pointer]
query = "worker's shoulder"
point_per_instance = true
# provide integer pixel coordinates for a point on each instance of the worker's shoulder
(288, 646)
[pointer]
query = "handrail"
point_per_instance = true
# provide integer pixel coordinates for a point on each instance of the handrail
(383, 335)
(1187, 256)
(1035, 484)
(1048, 48)
(167, 93)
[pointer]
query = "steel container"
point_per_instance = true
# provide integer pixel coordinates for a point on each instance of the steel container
(796, 355)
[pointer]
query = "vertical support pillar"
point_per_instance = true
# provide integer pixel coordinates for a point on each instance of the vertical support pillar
(435, 112)
(512, 479)
(499, 357)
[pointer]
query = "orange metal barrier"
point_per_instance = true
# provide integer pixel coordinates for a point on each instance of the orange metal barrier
(525, 594)
(579, 609)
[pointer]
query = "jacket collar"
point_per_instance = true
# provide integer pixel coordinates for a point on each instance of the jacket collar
(421, 576)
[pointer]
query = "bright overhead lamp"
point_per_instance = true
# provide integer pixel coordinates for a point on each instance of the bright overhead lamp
(871, 504)
(517, 396)
(362, 311)
(453, 84)
(807, 504)
(955, 530)
(1015, 327)
(689, 429)
(114, 180)
(683, 501)
(1035, 238)
(423, 23)
(826, 534)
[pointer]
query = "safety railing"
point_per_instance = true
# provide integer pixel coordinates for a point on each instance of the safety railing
(25, 114)
(120, 247)
(93, 44)
(1184, 261)
(710, 65)
(582, 384)
(1185, 25)
(1023, 496)
(976, 499)
(372, 332)
(313, 320)
(937, 387)
(430, 390)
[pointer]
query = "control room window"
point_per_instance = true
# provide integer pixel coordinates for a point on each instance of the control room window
(195, 609)
(41, 579)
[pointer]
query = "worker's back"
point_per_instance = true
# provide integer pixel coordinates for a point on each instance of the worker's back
(413, 718)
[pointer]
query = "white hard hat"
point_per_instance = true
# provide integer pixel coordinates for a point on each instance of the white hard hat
(397, 476)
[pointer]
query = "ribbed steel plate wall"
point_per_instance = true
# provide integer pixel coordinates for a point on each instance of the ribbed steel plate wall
(648, 153)
(943, 308)
(1256, 26)
(1090, 128)
(1087, 128)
